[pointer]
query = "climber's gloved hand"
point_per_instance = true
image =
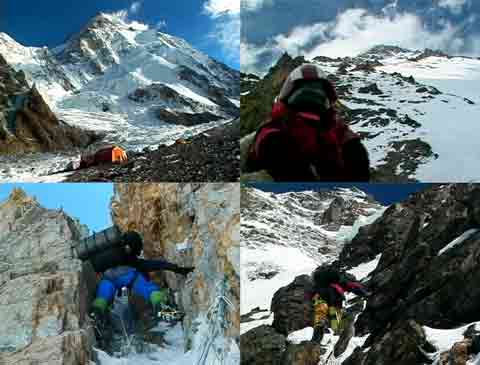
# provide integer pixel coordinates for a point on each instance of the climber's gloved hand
(360, 290)
(183, 270)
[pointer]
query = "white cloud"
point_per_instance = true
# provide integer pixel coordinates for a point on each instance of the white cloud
(250, 54)
(353, 32)
(217, 8)
(226, 15)
(300, 37)
(254, 5)
(135, 7)
(456, 6)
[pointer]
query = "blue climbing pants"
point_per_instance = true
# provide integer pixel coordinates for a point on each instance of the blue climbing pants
(116, 278)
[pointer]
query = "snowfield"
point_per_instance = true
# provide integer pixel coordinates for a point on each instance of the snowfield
(174, 353)
(448, 121)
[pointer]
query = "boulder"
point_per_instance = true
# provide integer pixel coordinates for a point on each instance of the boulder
(292, 306)
(262, 346)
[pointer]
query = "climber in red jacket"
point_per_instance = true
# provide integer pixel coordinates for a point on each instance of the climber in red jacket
(305, 139)
(327, 298)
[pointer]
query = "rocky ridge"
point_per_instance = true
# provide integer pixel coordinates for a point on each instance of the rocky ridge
(27, 123)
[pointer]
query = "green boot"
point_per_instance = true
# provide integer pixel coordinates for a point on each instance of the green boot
(99, 308)
(158, 299)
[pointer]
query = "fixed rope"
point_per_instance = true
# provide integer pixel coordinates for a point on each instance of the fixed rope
(217, 324)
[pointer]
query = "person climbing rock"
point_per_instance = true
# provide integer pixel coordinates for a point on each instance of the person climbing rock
(115, 257)
(305, 139)
(328, 295)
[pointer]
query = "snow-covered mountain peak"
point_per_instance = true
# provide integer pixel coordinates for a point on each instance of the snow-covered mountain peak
(115, 71)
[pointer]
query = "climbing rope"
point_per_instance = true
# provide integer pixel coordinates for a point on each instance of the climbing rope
(218, 322)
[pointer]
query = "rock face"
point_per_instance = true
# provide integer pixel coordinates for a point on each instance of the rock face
(255, 106)
(27, 123)
(420, 276)
(44, 294)
(191, 225)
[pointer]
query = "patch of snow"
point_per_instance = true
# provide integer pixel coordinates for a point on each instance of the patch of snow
(235, 102)
(299, 336)
(444, 339)
(458, 240)
(363, 270)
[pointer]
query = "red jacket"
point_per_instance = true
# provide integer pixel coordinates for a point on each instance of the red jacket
(292, 147)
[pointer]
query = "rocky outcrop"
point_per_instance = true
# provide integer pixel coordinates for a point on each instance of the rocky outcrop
(292, 307)
(262, 346)
(191, 225)
(27, 124)
(343, 212)
(306, 353)
(405, 343)
(370, 89)
(44, 291)
(187, 119)
(423, 272)
(255, 107)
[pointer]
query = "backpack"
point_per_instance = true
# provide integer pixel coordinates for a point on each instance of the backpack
(323, 276)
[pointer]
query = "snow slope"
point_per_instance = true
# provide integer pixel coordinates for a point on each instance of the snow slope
(431, 119)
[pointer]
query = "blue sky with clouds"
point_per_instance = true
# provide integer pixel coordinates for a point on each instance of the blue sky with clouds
(212, 26)
(348, 27)
(90, 203)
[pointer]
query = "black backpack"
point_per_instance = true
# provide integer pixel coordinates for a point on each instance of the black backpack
(323, 276)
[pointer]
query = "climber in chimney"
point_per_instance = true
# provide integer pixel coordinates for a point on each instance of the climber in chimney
(305, 139)
(329, 287)
(115, 256)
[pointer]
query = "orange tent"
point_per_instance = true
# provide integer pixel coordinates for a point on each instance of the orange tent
(111, 154)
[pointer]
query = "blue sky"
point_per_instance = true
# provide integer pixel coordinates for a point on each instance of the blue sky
(384, 193)
(212, 26)
(90, 203)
